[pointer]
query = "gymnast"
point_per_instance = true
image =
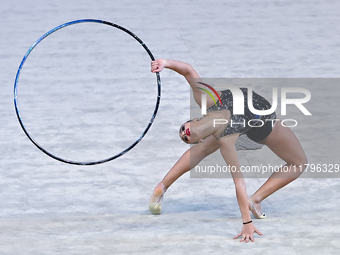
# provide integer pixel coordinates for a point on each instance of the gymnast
(208, 138)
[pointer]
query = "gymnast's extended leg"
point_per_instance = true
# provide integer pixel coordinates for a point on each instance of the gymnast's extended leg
(186, 162)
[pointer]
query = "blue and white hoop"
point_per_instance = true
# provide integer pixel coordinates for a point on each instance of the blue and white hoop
(16, 92)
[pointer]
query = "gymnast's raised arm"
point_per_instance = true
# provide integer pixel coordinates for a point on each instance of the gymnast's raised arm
(187, 71)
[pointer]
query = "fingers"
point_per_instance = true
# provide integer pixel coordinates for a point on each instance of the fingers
(246, 238)
(235, 237)
(157, 65)
(258, 232)
(153, 66)
(252, 238)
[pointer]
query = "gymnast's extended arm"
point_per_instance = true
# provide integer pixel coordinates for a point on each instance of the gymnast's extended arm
(187, 71)
(228, 151)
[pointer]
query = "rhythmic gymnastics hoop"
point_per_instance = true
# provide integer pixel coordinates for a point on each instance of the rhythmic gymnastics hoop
(16, 92)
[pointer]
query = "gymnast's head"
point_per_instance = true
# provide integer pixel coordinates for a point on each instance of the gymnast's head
(187, 132)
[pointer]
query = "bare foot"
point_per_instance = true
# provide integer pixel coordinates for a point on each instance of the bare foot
(255, 208)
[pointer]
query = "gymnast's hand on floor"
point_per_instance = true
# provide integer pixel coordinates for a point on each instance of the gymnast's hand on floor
(157, 65)
(247, 233)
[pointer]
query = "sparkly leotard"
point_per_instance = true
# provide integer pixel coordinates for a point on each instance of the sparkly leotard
(255, 134)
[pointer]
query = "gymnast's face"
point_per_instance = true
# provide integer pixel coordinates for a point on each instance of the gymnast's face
(186, 134)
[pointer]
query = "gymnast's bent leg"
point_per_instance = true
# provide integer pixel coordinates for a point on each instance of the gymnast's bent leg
(283, 142)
